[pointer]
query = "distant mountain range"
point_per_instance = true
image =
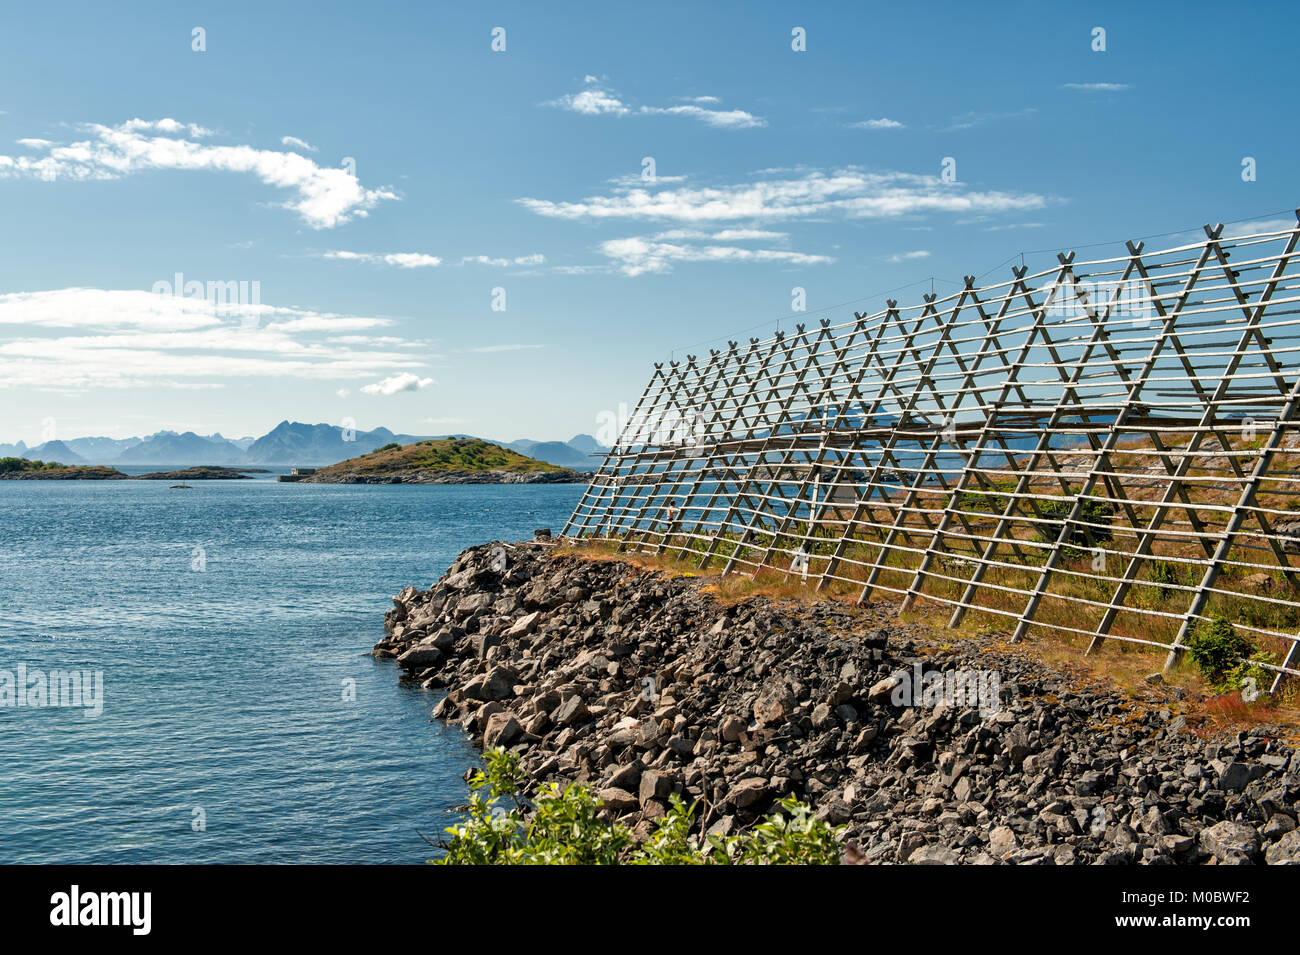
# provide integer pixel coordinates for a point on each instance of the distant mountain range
(288, 444)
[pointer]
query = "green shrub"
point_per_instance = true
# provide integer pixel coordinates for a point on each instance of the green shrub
(1163, 572)
(1219, 652)
(562, 827)
(1081, 539)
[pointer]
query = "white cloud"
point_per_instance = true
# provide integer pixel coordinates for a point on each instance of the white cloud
(1256, 227)
(422, 260)
(77, 338)
(35, 143)
(397, 384)
(909, 256)
(639, 255)
(592, 102)
(325, 197)
(882, 123)
(403, 260)
(169, 126)
(295, 143)
(535, 259)
(727, 119)
(849, 193)
(1097, 87)
(344, 392)
(599, 100)
(722, 235)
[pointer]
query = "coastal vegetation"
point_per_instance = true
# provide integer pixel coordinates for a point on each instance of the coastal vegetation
(562, 826)
(12, 468)
(8, 465)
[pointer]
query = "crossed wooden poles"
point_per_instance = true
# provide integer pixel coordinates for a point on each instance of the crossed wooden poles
(1113, 439)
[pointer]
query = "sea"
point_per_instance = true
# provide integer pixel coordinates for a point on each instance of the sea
(239, 718)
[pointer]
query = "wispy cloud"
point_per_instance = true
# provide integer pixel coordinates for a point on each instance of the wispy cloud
(849, 193)
(727, 119)
(640, 255)
(909, 256)
(596, 99)
(402, 260)
(293, 142)
(324, 198)
(1097, 87)
(1013, 225)
(883, 123)
(535, 259)
(723, 235)
(423, 260)
(397, 384)
(972, 119)
(120, 338)
(1257, 227)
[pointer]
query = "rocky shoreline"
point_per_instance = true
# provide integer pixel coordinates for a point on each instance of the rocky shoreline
(642, 685)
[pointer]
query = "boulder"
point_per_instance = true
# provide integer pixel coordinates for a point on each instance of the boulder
(730, 729)
(502, 729)
(881, 691)
(1286, 851)
(571, 712)
(774, 706)
(525, 624)
(1230, 841)
(618, 800)
(749, 792)
(1003, 841)
(420, 656)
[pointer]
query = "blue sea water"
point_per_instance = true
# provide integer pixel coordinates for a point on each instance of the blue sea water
(229, 622)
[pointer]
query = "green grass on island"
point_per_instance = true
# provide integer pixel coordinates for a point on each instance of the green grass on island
(440, 454)
(14, 467)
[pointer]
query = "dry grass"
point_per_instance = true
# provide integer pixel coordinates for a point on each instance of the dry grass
(1117, 665)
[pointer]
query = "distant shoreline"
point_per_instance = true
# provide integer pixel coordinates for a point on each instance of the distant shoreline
(102, 473)
(99, 473)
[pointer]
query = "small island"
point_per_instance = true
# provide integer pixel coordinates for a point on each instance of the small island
(442, 461)
(21, 469)
(204, 472)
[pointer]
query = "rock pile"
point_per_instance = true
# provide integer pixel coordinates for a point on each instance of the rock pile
(642, 685)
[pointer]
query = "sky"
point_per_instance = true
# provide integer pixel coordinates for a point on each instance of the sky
(492, 218)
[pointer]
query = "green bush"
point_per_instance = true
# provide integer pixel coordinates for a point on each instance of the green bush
(562, 827)
(1164, 572)
(22, 464)
(1218, 651)
(1081, 540)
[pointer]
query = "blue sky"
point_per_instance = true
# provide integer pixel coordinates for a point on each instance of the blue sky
(127, 157)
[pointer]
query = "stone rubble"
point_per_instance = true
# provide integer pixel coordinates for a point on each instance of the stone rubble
(641, 685)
